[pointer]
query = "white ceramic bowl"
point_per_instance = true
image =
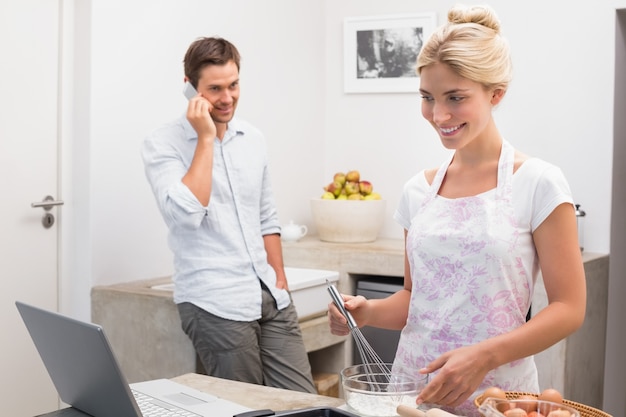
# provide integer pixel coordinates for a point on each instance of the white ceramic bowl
(348, 221)
(372, 392)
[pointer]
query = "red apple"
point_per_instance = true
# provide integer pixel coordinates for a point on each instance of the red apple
(365, 187)
(334, 188)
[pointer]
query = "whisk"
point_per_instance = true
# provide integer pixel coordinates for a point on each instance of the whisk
(372, 362)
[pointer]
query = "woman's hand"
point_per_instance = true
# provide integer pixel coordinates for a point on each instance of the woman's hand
(356, 305)
(460, 373)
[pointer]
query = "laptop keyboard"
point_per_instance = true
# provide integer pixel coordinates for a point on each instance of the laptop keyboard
(151, 407)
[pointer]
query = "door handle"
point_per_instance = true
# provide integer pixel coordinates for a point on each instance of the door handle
(47, 203)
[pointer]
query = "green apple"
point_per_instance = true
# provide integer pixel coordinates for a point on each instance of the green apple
(372, 196)
(328, 196)
(334, 188)
(340, 177)
(351, 187)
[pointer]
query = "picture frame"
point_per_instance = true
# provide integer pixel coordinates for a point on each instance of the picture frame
(380, 52)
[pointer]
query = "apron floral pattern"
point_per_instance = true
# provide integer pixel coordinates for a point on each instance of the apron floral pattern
(469, 281)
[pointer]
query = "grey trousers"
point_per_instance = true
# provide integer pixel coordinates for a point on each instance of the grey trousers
(269, 351)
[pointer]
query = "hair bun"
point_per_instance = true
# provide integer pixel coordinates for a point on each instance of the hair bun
(481, 15)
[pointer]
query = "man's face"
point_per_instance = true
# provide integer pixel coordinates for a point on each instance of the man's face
(220, 85)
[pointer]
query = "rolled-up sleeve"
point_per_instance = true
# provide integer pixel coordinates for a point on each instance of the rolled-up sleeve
(218, 249)
(270, 223)
(165, 167)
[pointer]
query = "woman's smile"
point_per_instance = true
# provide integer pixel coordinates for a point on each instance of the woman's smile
(449, 131)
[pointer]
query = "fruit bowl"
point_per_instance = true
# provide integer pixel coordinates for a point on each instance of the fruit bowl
(374, 393)
(582, 410)
(348, 221)
(498, 407)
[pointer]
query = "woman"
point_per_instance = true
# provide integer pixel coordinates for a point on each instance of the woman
(478, 230)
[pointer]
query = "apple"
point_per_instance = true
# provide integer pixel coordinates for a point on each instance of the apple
(372, 196)
(344, 186)
(340, 177)
(353, 176)
(334, 188)
(365, 187)
(351, 187)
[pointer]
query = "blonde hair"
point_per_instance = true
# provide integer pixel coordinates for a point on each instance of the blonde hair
(471, 44)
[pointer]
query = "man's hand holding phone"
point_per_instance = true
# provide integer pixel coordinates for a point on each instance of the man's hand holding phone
(199, 113)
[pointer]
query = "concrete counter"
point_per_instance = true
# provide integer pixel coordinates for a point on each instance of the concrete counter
(257, 396)
(143, 327)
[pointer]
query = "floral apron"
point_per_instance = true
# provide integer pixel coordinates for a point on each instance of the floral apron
(468, 284)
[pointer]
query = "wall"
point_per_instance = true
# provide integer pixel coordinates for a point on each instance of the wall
(558, 108)
(615, 376)
(136, 78)
(128, 76)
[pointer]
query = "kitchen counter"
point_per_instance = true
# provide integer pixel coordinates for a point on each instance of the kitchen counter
(256, 396)
(136, 316)
(143, 326)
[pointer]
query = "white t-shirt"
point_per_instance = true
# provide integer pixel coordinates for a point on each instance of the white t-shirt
(538, 188)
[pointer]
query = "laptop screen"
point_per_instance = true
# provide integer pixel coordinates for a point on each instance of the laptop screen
(80, 363)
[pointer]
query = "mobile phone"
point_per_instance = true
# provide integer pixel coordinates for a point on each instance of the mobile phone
(189, 91)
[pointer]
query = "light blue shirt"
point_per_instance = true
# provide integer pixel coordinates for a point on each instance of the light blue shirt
(219, 254)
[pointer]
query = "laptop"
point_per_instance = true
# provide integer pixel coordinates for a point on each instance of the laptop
(86, 375)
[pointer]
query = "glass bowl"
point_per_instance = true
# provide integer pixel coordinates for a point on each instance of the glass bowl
(370, 391)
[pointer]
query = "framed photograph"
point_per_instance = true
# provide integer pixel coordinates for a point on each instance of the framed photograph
(380, 52)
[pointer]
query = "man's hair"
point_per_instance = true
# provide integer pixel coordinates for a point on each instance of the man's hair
(208, 51)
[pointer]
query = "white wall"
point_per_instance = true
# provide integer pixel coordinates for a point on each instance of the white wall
(137, 79)
(559, 108)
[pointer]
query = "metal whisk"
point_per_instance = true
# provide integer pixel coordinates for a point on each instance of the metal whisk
(374, 365)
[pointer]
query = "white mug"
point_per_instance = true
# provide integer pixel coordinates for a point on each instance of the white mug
(292, 232)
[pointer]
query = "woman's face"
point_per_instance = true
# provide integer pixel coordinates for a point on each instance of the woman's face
(458, 109)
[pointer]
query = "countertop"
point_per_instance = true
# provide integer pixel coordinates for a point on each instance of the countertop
(256, 396)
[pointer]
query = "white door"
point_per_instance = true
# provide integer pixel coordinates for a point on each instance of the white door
(29, 35)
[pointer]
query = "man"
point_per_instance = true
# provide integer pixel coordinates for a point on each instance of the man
(209, 174)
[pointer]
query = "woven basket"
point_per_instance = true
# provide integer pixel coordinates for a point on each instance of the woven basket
(584, 410)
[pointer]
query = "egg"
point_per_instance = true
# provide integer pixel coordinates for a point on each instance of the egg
(550, 394)
(515, 412)
(494, 392)
(527, 402)
(559, 413)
